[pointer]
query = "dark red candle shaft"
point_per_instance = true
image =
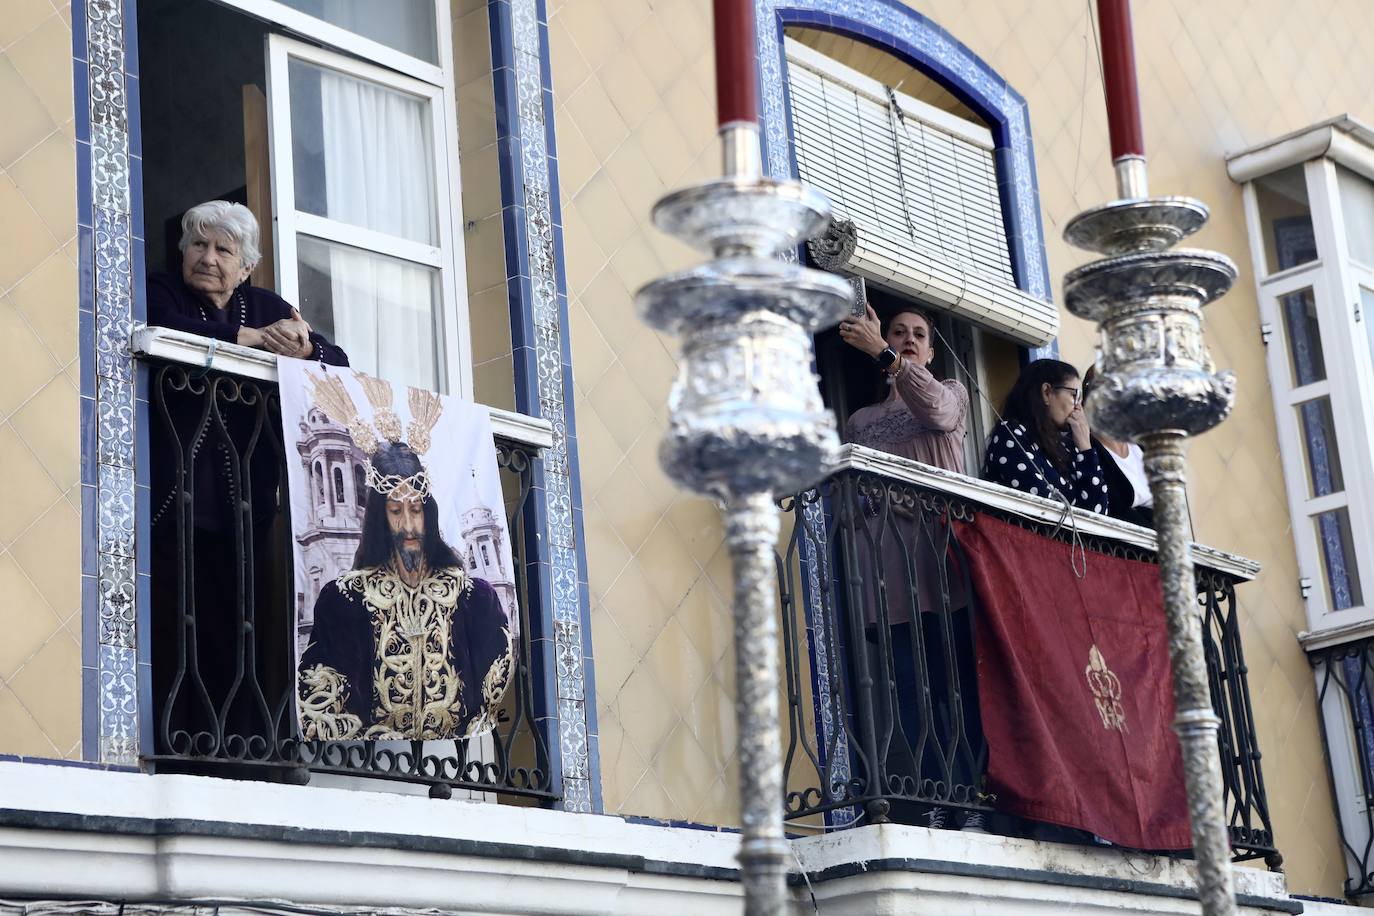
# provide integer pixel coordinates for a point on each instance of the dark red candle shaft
(737, 93)
(1118, 69)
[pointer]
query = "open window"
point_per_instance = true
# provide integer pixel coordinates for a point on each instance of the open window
(343, 145)
(912, 177)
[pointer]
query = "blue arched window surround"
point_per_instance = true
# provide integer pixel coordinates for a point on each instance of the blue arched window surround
(911, 37)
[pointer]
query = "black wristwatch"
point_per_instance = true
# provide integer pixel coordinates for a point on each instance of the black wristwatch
(886, 358)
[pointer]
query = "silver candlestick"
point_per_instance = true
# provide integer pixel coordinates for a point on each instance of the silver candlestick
(1156, 386)
(747, 423)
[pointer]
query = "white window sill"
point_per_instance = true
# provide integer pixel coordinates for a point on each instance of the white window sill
(194, 350)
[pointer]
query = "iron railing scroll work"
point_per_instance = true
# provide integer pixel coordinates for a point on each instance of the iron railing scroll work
(224, 678)
(882, 716)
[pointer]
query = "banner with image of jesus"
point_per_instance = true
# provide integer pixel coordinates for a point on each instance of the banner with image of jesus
(406, 614)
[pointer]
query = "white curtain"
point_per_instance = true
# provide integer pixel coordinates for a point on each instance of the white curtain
(379, 174)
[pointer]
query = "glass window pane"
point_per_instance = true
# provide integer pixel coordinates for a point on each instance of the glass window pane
(1319, 447)
(1342, 580)
(1367, 316)
(1285, 219)
(362, 154)
(1300, 326)
(381, 310)
(406, 25)
(1357, 211)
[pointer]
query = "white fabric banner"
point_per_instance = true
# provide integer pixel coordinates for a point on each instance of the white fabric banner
(406, 614)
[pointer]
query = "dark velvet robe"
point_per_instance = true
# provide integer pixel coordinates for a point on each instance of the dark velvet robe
(172, 304)
(353, 679)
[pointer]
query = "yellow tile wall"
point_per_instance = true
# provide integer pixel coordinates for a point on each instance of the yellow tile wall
(632, 81)
(483, 241)
(40, 547)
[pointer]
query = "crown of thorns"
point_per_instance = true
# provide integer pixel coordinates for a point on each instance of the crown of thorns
(330, 395)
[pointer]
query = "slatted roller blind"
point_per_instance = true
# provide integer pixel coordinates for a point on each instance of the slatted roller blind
(921, 191)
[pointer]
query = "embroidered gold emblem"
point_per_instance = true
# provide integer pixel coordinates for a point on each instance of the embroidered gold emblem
(493, 689)
(416, 690)
(323, 713)
(1106, 689)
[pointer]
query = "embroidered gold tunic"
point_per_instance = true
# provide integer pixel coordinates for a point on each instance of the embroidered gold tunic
(389, 660)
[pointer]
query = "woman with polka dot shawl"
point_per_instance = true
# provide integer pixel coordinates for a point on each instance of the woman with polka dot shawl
(1043, 445)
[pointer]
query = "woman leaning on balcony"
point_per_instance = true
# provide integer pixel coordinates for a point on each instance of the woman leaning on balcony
(1042, 445)
(213, 455)
(922, 418)
(212, 296)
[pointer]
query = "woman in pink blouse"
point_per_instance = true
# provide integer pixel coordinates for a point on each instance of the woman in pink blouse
(922, 418)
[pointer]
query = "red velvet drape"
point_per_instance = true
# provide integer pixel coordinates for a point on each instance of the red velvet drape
(1074, 681)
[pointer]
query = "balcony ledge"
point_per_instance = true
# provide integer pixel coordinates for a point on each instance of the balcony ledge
(1033, 508)
(194, 350)
(85, 834)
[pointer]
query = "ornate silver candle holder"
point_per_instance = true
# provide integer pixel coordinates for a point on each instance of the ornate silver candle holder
(1156, 386)
(747, 423)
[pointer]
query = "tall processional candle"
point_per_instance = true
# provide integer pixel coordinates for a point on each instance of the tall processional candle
(1123, 97)
(1157, 386)
(737, 92)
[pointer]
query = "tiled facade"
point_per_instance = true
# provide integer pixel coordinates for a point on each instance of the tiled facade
(632, 106)
(40, 527)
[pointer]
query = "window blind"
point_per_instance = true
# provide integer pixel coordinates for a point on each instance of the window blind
(919, 187)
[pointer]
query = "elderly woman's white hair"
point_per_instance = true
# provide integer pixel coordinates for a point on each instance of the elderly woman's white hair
(234, 220)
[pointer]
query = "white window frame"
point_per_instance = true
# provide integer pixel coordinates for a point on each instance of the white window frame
(1334, 280)
(452, 330)
(324, 32)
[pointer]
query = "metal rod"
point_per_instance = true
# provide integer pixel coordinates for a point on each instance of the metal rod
(1132, 181)
(1194, 719)
(751, 532)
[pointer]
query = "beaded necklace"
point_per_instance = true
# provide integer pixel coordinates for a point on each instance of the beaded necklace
(243, 308)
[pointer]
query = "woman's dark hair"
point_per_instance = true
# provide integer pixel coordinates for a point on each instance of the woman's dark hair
(885, 325)
(1025, 405)
(375, 547)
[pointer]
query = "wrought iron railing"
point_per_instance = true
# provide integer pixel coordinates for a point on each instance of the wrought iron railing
(223, 630)
(1345, 696)
(883, 709)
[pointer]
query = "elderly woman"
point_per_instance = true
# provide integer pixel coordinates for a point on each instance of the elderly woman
(214, 452)
(922, 418)
(212, 297)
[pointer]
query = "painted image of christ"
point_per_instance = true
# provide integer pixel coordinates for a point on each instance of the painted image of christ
(407, 644)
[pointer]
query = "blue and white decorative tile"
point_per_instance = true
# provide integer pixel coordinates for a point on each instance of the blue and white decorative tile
(112, 356)
(114, 421)
(117, 601)
(568, 658)
(110, 168)
(115, 505)
(577, 796)
(572, 734)
(531, 169)
(118, 692)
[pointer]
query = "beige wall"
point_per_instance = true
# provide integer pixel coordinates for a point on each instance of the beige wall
(40, 549)
(483, 242)
(635, 116)
(633, 90)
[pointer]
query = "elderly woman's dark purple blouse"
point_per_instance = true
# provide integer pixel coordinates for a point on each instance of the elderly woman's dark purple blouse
(214, 482)
(172, 304)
